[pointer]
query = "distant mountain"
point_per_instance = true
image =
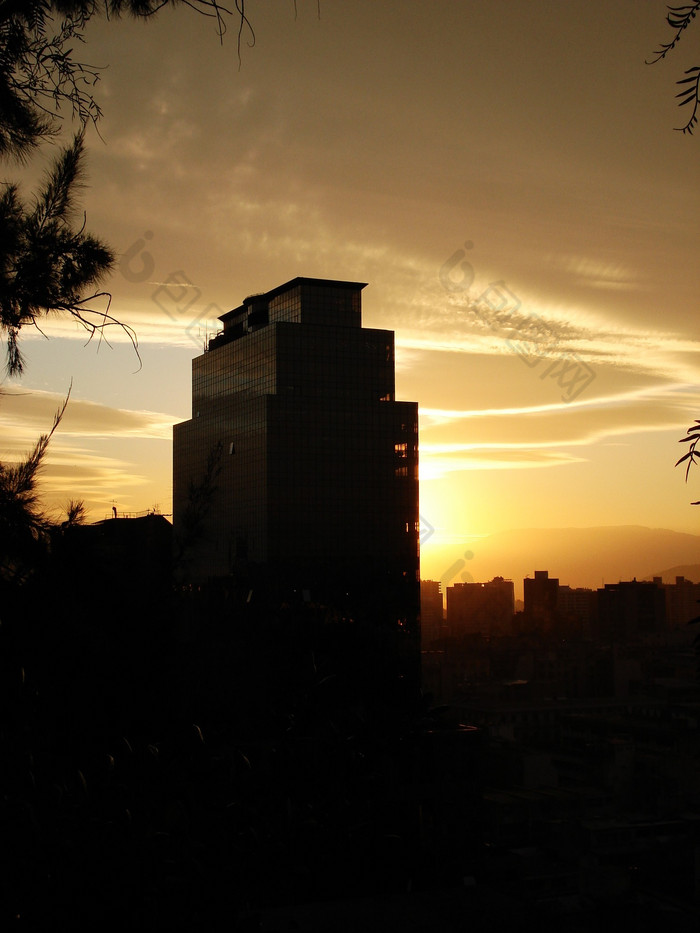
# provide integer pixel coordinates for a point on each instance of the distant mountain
(689, 571)
(584, 556)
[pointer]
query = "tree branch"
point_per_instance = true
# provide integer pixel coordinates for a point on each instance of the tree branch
(678, 18)
(690, 95)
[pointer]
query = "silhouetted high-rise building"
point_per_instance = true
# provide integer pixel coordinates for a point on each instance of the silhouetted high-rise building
(317, 481)
(540, 610)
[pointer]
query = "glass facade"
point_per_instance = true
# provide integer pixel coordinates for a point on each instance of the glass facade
(318, 462)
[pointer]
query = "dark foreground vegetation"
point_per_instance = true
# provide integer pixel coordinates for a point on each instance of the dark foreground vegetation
(240, 758)
(185, 759)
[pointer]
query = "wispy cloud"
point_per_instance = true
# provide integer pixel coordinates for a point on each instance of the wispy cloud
(658, 353)
(81, 461)
(24, 415)
(546, 435)
(594, 272)
(679, 396)
(435, 465)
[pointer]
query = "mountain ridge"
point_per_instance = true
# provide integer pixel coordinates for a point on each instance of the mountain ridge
(581, 556)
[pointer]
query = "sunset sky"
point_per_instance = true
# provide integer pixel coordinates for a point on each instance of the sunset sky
(503, 173)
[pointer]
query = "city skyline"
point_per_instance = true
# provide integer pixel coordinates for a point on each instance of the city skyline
(580, 557)
(507, 181)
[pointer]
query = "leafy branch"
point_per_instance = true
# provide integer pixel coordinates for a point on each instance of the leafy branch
(679, 18)
(40, 75)
(47, 260)
(692, 456)
(22, 524)
(690, 95)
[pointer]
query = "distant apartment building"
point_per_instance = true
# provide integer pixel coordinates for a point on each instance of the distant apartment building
(577, 609)
(481, 608)
(682, 601)
(136, 549)
(541, 595)
(432, 613)
(630, 611)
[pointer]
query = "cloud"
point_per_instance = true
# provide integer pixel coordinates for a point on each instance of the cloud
(77, 471)
(71, 469)
(24, 415)
(679, 396)
(434, 466)
(546, 435)
(544, 340)
(97, 452)
(595, 273)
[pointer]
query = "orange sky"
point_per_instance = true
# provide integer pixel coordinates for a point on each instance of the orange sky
(504, 175)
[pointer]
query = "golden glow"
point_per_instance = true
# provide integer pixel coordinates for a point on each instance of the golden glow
(379, 173)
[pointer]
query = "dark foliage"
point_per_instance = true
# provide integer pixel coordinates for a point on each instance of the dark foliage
(48, 260)
(40, 75)
(679, 19)
(181, 759)
(691, 456)
(23, 526)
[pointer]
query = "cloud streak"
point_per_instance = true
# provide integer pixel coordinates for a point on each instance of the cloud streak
(28, 413)
(549, 434)
(82, 459)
